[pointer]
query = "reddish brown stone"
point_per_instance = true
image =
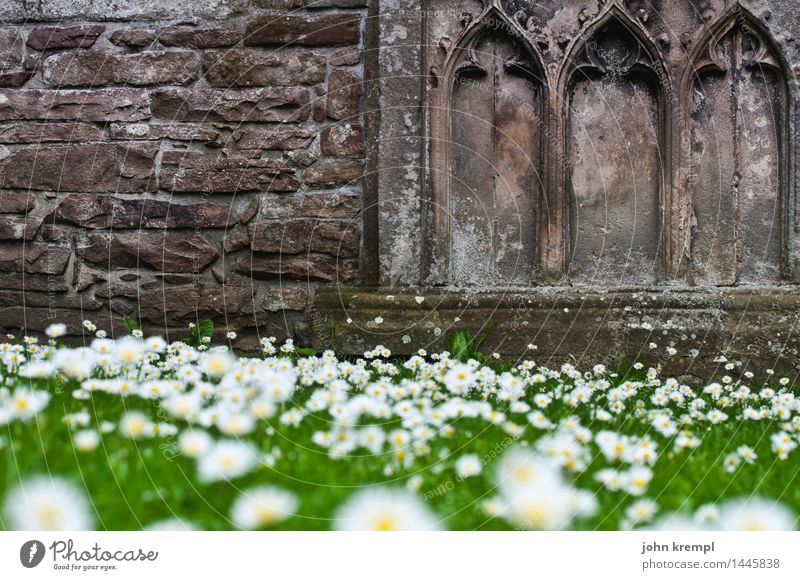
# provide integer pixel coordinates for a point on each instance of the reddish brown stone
(30, 299)
(317, 4)
(118, 289)
(64, 37)
(282, 137)
(250, 211)
(339, 238)
(191, 302)
(10, 47)
(349, 56)
(266, 104)
(16, 203)
(250, 68)
(327, 30)
(37, 282)
(34, 258)
(174, 131)
(333, 173)
(60, 234)
(95, 67)
(273, 206)
(330, 205)
(299, 267)
(100, 167)
(279, 4)
(44, 132)
(14, 227)
(342, 140)
(183, 171)
(32, 60)
(236, 239)
(285, 297)
(89, 105)
(164, 252)
(191, 37)
(102, 211)
(133, 37)
(14, 78)
(344, 95)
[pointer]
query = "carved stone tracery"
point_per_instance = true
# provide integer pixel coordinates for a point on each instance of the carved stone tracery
(556, 159)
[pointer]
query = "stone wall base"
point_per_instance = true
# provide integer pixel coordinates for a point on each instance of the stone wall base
(757, 326)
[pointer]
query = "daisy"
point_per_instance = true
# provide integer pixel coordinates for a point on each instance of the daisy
(129, 349)
(86, 440)
(171, 525)
(468, 466)
(641, 511)
(133, 424)
(46, 504)
(262, 507)
(756, 514)
(194, 443)
(25, 403)
(225, 460)
(384, 509)
(216, 364)
(459, 378)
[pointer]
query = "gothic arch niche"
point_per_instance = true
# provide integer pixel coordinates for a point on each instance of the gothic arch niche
(493, 151)
(614, 158)
(739, 110)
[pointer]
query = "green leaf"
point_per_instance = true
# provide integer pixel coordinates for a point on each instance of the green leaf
(303, 351)
(205, 328)
(130, 323)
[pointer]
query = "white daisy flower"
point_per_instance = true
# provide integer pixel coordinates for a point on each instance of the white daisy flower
(48, 504)
(384, 509)
(262, 507)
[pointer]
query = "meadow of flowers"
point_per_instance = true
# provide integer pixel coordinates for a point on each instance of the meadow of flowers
(136, 433)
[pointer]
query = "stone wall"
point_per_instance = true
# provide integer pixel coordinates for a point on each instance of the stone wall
(178, 160)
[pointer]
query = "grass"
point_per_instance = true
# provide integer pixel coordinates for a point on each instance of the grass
(133, 483)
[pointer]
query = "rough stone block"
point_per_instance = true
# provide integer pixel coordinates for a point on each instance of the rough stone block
(95, 68)
(14, 227)
(266, 104)
(102, 211)
(133, 37)
(338, 238)
(344, 95)
(80, 105)
(298, 267)
(82, 36)
(201, 37)
(183, 171)
(282, 137)
(10, 47)
(24, 132)
(14, 78)
(164, 252)
(34, 258)
(331, 173)
(16, 202)
(331, 205)
(342, 140)
(89, 167)
(251, 68)
(284, 297)
(174, 131)
(327, 30)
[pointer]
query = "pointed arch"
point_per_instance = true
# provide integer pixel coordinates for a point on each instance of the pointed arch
(487, 156)
(737, 88)
(614, 175)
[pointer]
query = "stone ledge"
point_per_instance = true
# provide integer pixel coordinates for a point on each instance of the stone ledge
(585, 325)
